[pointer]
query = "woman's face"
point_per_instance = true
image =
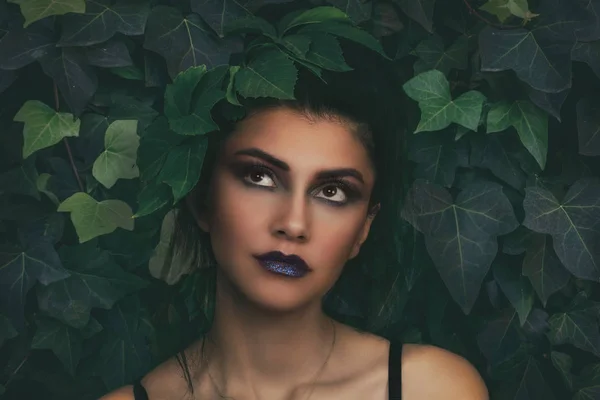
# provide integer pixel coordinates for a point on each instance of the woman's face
(284, 182)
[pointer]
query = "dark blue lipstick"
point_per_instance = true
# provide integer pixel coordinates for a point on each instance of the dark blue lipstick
(279, 263)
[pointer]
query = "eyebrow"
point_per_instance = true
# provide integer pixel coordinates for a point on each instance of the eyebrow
(325, 174)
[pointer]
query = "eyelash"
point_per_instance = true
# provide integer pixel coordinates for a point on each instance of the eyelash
(351, 193)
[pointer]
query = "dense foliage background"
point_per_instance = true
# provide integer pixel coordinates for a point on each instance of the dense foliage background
(105, 111)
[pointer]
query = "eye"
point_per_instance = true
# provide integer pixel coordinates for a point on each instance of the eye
(259, 177)
(333, 193)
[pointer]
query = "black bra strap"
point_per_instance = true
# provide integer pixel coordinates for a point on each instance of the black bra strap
(395, 371)
(139, 393)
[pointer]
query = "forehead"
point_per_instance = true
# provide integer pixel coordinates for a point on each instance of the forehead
(302, 142)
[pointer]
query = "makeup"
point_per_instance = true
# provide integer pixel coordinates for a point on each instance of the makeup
(287, 265)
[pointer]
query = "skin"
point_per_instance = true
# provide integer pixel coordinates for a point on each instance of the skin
(270, 338)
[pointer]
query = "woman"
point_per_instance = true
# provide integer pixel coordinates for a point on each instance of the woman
(289, 201)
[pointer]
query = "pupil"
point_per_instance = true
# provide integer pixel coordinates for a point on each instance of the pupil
(257, 176)
(331, 191)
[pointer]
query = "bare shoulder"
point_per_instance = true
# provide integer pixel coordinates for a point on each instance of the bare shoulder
(124, 393)
(455, 378)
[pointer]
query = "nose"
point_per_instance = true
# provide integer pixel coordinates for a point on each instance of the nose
(292, 219)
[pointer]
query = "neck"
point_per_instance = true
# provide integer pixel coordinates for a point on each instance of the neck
(251, 347)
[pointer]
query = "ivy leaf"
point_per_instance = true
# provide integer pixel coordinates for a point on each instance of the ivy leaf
(125, 354)
(7, 331)
(578, 327)
(588, 383)
(500, 337)
(6, 79)
(549, 102)
(251, 24)
(271, 74)
(573, 224)
(129, 107)
(44, 127)
(152, 197)
(102, 20)
(542, 267)
(432, 90)
(113, 53)
(539, 57)
(20, 268)
(312, 16)
(218, 14)
(76, 80)
(433, 55)
(515, 287)
(118, 160)
(345, 31)
(563, 363)
(503, 9)
(437, 157)
(92, 218)
(167, 263)
(357, 10)
(64, 341)
(419, 10)
(21, 180)
(183, 165)
(156, 142)
(587, 52)
(34, 10)
(190, 99)
(590, 30)
(460, 234)
(326, 52)
(530, 122)
(531, 384)
(95, 281)
(588, 127)
(183, 42)
(20, 47)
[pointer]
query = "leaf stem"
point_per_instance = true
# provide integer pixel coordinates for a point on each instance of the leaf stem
(66, 142)
(474, 12)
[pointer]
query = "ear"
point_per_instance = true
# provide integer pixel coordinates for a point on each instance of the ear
(365, 230)
(199, 213)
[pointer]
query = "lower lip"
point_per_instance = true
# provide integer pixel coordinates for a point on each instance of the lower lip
(280, 268)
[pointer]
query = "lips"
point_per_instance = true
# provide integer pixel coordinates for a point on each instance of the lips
(289, 265)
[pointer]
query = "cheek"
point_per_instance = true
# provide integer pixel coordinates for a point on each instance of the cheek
(334, 236)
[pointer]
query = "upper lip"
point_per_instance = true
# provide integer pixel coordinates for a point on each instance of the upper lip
(292, 259)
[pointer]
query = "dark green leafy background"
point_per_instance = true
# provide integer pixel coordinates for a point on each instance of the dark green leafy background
(492, 178)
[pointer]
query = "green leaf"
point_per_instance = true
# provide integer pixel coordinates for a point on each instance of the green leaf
(298, 45)
(152, 197)
(419, 10)
(219, 14)
(231, 94)
(515, 287)
(20, 269)
(530, 385)
(102, 20)
(95, 281)
(499, 338)
(34, 10)
(7, 331)
(156, 142)
(579, 328)
(460, 234)
(542, 267)
(437, 157)
(129, 72)
(20, 47)
(572, 224)
(110, 54)
(503, 9)
(345, 31)
(271, 74)
(314, 16)
(183, 165)
(326, 52)
(92, 218)
(588, 127)
(118, 160)
(357, 10)
(76, 79)
(44, 127)
(251, 24)
(587, 52)
(563, 363)
(64, 341)
(550, 102)
(433, 55)
(432, 91)
(21, 180)
(183, 42)
(588, 383)
(178, 95)
(167, 263)
(530, 122)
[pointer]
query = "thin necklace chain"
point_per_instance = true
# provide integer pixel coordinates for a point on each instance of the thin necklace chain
(224, 396)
